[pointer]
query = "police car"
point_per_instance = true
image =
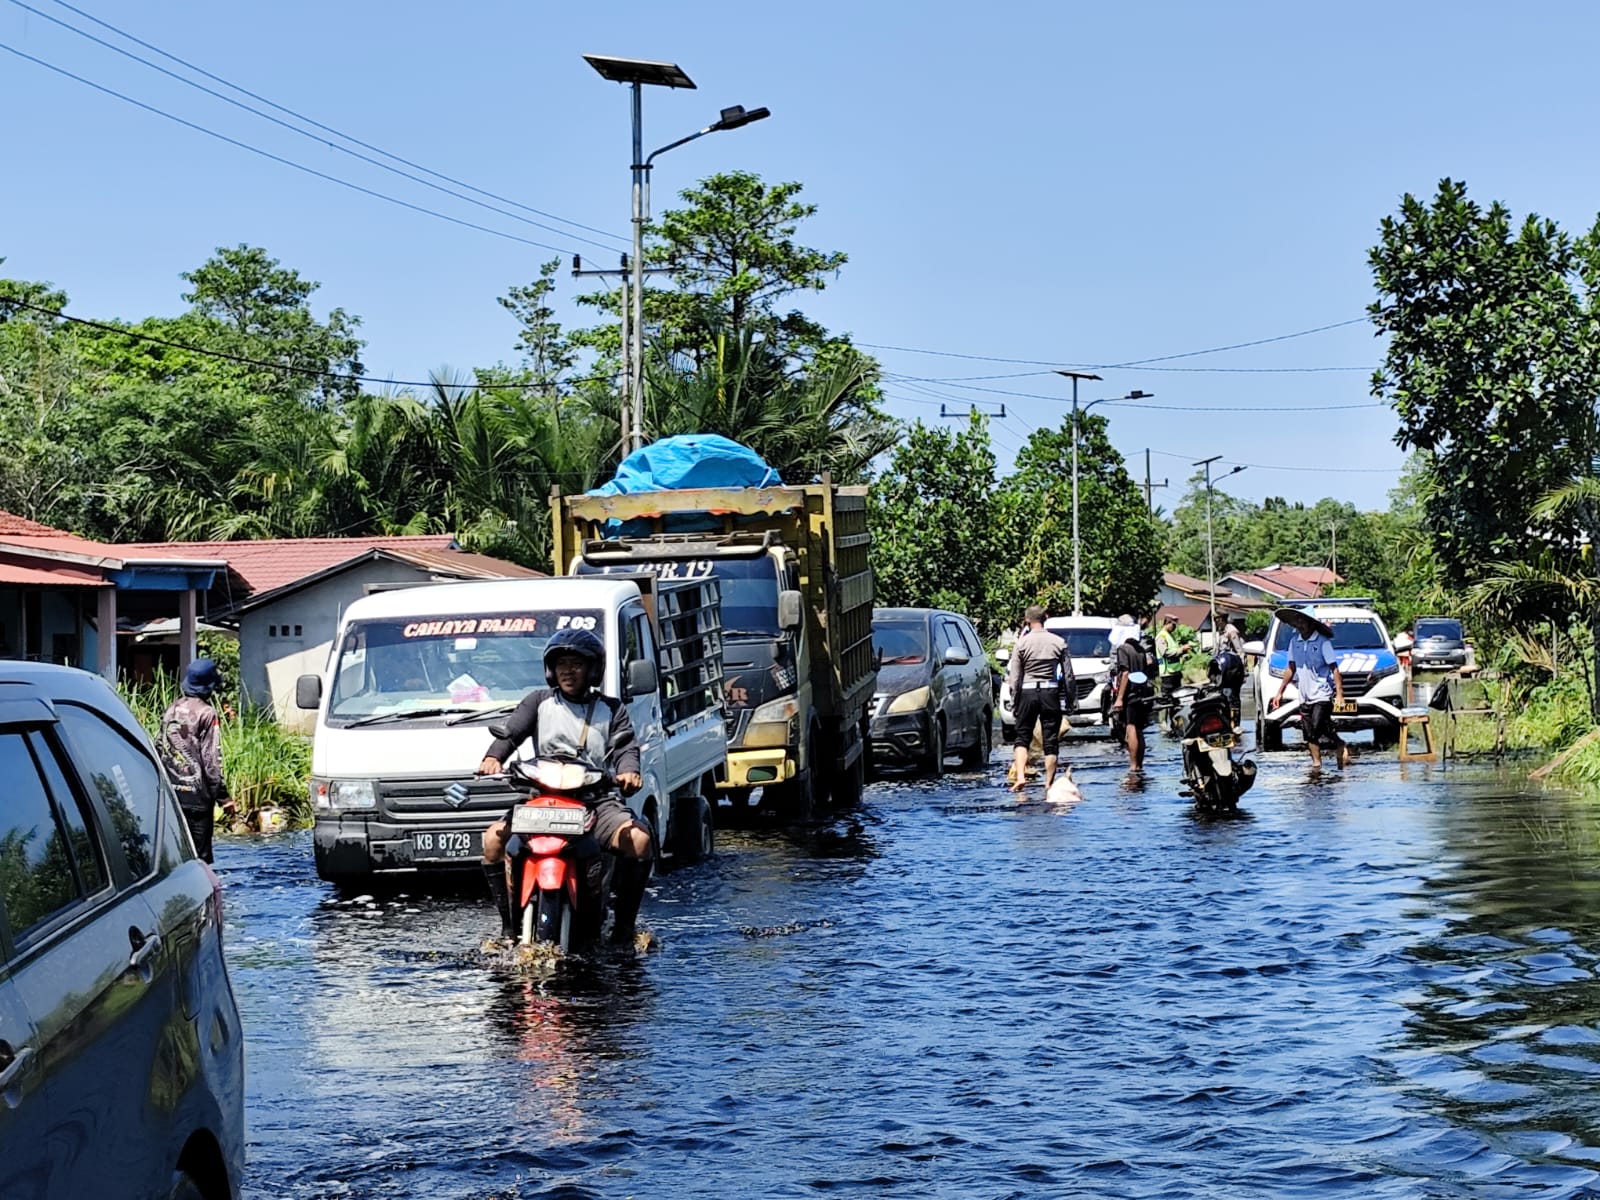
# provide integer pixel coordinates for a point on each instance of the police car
(1374, 684)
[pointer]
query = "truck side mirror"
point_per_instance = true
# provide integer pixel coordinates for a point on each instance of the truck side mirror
(308, 691)
(789, 614)
(642, 679)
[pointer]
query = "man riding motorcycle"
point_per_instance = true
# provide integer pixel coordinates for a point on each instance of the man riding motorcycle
(570, 720)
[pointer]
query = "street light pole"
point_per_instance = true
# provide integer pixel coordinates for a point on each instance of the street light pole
(636, 73)
(1077, 578)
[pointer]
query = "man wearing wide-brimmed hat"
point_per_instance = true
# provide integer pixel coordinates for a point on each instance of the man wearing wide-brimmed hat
(1314, 664)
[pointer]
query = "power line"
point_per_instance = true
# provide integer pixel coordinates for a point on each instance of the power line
(382, 166)
(318, 124)
(287, 368)
(1041, 362)
(909, 381)
(288, 162)
(1318, 470)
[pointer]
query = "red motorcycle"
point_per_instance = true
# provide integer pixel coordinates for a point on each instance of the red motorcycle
(559, 875)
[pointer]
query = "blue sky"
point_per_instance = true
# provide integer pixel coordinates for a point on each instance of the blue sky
(1041, 181)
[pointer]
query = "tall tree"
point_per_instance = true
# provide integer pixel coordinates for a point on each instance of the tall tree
(931, 520)
(1121, 551)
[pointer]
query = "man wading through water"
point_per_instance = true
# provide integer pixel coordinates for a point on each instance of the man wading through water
(1040, 675)
(191, 749)
(1314, 670)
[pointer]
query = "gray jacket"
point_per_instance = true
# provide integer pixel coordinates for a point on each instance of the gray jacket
(596, 731)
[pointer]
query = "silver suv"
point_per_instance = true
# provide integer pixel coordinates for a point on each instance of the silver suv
(121, 1055)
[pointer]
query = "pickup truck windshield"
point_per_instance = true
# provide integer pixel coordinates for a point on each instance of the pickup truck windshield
(900, 643)
(436, 666)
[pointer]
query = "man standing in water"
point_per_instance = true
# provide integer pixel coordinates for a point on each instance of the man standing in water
(1314, 665)
(191, 749)
(1040, 675)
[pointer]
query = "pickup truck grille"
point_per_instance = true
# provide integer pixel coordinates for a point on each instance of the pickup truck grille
(1085, 685)
(423, 799)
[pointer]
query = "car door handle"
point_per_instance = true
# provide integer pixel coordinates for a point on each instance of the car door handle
(143, 952)
(19, 1060)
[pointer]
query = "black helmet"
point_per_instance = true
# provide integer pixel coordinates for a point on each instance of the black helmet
(576, 641)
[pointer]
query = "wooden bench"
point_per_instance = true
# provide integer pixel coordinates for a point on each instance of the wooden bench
(1418, 719)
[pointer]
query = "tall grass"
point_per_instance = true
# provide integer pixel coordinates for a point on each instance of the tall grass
(265, 765)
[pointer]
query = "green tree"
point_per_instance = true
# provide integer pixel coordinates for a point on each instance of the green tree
(929, 510)
(1490, 366)
(1121, 551)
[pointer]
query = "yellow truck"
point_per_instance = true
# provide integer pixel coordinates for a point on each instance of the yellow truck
(791, 563)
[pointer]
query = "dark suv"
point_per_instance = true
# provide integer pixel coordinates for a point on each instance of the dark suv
(1438, 644)
(121, 1055)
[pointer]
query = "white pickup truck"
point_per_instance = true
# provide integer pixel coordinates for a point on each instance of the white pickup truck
(417, 675)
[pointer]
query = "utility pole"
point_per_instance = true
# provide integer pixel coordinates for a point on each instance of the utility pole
(1211, 562)
(1149, 504)
(625, 383)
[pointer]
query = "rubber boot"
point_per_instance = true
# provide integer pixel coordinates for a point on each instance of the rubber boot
(494, 874)
(628, 879)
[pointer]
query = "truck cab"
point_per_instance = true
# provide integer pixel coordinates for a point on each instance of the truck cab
(416, 676)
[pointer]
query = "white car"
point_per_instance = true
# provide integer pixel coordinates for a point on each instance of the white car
(1089, 643)
(1367, 661)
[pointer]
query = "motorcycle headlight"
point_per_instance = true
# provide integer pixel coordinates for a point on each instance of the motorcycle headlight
(913, 701)
(352, 793)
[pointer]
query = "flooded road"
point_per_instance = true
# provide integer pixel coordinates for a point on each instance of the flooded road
(1376, 985)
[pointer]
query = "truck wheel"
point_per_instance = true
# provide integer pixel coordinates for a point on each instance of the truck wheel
(849, 783)
(933, 763)
(692, 829)
(792, 801)
(978, 753)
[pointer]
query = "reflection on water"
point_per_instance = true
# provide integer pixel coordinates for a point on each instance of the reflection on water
(1380, 982)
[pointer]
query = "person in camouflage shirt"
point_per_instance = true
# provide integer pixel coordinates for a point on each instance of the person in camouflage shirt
(191, 748)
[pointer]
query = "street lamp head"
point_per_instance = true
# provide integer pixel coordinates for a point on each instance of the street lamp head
(639, 70)
(733, 118)
(1136, 394)
(1078, 374)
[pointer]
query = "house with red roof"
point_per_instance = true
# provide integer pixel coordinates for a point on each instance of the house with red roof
(1280, 582)
(285, 597)
(60, 594)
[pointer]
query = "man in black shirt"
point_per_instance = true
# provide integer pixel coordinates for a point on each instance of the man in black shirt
(1134, 665)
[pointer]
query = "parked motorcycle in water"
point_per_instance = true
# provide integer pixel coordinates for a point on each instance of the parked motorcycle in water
(1213, 777)
(559, 875)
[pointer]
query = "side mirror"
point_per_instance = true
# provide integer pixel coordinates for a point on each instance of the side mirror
(308, 692)
(1003, 653)
(955, 658)
(642, 679)
(1257, 648)
(789, 614)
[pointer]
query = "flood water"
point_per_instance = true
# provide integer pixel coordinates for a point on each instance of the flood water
(1381, 984)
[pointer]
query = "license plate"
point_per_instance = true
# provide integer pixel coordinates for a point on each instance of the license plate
(447, 844)
(564, 822)
(1344, 706)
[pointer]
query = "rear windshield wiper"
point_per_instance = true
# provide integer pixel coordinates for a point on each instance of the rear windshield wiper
(483, 712)
(410, 714)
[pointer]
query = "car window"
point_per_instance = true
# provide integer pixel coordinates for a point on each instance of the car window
(974, 647)
(950, 638)
(1357, 635)
(37, 876)
(900, 642)
(1087, 643)
(1439, 628)
(123, 776)
(87, 853)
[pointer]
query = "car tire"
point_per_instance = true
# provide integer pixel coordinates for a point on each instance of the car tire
(1269, 737)
(184, 1187)
(933, 761)
(977, 754)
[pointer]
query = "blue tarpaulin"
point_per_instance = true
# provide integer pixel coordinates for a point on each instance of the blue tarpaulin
(691, 460)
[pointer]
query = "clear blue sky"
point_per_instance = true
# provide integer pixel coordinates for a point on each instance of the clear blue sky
(1063, 182)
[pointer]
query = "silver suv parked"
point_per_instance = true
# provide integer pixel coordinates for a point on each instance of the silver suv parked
(121, 1055)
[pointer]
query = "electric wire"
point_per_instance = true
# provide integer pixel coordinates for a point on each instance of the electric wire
(355, 141)
(1041, 362)
(1277, 467)
(278, 158)
(287, 368)
(909, 381)
(366, 158)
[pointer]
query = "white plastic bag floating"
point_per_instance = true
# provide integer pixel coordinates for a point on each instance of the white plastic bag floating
(1063, 791)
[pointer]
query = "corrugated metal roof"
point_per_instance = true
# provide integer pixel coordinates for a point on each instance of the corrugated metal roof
(464, 565)
(11, 523)
(272, 563)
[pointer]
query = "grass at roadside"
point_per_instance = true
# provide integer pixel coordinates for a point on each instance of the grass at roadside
(265, 765)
